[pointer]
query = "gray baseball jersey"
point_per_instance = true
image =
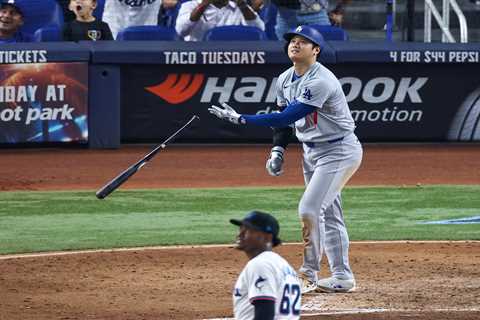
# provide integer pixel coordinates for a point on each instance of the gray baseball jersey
(267, 277)
(331, 155)
(319, 88)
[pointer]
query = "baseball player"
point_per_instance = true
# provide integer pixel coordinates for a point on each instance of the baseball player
(268, 287)
(311, 97)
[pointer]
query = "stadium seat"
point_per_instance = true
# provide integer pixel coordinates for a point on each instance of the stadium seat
(41, 13)
(235, 33)
(98, 12)
(48, 34)
(158, 33)
(331, 32)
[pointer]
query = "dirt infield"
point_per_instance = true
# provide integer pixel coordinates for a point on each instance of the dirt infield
(217, 166)
(395, 280)
(195, 283)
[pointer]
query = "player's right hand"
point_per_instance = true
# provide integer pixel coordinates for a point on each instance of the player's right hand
(225, 112)
(275, 161)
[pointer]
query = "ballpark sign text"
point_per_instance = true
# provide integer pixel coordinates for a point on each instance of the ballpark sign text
(19, 94)
(214, 57)
(363, 95)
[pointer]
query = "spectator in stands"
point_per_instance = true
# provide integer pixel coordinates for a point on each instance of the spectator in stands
(292, 13)
(168, 13)
(67, 14)
(196, 17)
(336, 15)
(85, 26)
(256, 5)
(11, 19)
(120, 14)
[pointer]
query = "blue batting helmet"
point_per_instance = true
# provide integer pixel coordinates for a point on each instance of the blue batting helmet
(307, 32)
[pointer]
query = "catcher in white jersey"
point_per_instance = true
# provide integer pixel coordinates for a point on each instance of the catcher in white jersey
(268, 287)
(310, 96)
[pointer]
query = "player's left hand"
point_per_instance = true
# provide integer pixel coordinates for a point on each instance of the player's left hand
(225, 112)
(274, 163)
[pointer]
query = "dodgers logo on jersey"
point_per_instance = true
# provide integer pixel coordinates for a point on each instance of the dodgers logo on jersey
(307, 94)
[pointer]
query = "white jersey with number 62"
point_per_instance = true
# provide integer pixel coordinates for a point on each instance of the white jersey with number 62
(267, 277)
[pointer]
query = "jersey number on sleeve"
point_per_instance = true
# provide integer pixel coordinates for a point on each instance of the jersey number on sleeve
(287, 306)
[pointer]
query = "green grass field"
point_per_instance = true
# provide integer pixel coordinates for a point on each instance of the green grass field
(48, 221)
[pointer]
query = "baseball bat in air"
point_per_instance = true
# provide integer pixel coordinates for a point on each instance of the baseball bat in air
(130, 171)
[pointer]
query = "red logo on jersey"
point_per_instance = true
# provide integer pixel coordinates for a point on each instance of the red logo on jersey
(177, 89)
(311, 119)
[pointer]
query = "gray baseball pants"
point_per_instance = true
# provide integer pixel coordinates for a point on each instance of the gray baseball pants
(327, 167)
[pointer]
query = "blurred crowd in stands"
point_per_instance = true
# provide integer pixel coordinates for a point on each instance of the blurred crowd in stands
(189, 20)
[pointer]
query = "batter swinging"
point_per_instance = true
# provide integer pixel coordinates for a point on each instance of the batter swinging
(310, 96)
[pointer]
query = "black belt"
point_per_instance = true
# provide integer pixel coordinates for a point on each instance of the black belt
(312, 144)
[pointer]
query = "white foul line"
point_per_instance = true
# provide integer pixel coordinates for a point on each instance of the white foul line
(379, 310)
(63, 253)
(370, 310)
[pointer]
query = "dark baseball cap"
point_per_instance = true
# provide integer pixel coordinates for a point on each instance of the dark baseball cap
(17, 5)
(261, 221)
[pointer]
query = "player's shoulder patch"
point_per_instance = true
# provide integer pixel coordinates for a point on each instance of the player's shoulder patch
(260, 282)
(307, 94)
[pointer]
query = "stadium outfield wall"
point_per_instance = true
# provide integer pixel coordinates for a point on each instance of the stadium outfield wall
(101, 94)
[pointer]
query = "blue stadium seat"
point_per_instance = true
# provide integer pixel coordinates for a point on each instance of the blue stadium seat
(331, 32)
(41, 13)
(98, 12)
(235, 33)
(147, 33)
(48, 34)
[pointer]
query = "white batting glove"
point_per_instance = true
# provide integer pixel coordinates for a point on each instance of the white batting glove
(225, 112)
(275, 161)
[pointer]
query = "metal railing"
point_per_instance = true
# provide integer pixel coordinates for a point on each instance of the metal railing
(444, 21)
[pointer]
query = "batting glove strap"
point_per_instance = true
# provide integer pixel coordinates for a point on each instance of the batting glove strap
(275, 161)
(278, 150)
